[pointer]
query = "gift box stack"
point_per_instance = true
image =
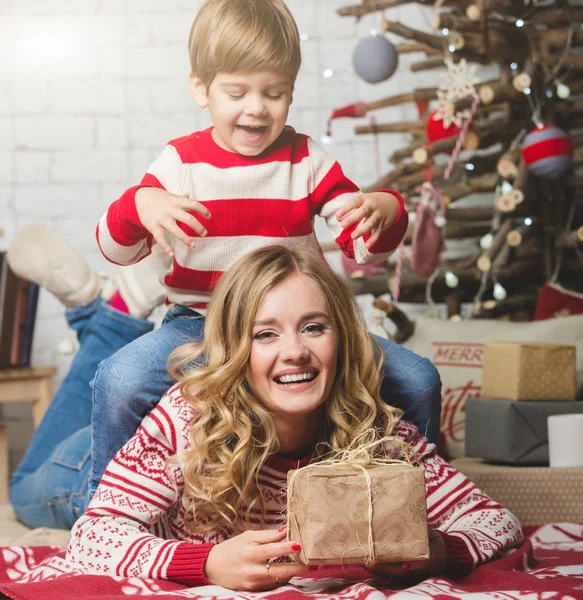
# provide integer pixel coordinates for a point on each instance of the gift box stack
(350, 514)
(507, 430)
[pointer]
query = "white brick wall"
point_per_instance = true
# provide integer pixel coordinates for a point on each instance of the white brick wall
(91, 90)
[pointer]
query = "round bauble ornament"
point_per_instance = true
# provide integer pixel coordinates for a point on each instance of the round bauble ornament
(375, 59)
(435, 129)
(547, 151)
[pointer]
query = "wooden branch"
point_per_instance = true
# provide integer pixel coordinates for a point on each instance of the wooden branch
(405, 127)
(556, 16)
(441, 146)
(572, 239)
(370, 6)
(477, 213)
(507, 166)
(497, 91)
(455, 22)
(410, 47)
(480, 184)
(517, 273)
(453, 302)
(458, 230)
(430, 63)
(405, 327)
(491, 309)
(484, 262)
(433, 41)
(419, 95)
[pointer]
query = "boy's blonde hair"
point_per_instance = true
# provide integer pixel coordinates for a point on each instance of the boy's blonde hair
(243, 36)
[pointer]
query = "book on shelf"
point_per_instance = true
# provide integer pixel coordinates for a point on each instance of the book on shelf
(18, 307)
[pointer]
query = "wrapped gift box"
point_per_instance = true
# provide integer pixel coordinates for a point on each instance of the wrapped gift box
(330, 514)
(536, 495)
(528, 371)
(511, 432)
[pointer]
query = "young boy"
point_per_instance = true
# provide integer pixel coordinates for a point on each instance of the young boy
(215, 195)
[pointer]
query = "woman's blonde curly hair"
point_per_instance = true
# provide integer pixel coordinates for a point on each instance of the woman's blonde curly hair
(233, 433)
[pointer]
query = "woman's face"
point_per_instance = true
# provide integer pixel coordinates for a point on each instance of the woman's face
(294, 348)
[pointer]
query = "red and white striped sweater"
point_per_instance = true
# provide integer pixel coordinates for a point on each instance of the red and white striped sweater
(254, 202)
(135, 524)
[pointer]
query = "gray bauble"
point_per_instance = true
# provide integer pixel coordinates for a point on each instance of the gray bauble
(375, 59)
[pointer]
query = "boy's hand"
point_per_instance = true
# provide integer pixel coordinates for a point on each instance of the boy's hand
(160, 211)
(241, 562)
(377, 211)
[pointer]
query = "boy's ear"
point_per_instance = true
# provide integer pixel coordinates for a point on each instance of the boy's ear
(198, 90)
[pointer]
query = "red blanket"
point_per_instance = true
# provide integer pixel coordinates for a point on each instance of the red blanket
(548, 565)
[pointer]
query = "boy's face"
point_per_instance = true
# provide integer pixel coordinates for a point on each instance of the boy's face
(249, 110)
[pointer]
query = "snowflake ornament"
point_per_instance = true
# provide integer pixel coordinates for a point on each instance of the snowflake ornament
(459, 82)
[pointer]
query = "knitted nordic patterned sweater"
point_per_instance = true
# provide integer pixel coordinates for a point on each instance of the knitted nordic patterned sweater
(136, 526)
(254, 202)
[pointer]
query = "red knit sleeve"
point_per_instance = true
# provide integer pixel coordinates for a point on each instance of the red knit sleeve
(120, 234)
(187, 564)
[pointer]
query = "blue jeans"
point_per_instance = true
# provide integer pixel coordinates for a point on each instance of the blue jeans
(50, 486)
(130, 383)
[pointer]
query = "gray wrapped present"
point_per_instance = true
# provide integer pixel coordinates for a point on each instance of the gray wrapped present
(509, 432)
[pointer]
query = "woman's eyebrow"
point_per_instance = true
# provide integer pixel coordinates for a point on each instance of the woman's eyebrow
(315, 315)
(305, 317)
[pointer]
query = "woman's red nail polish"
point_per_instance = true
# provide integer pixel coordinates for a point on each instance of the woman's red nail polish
(406, 566)
(281, 529)
(296, 547)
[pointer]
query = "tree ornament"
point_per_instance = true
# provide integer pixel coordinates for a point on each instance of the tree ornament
(458, 83)
(563, 91)
(451, 279)
(486, 241)
(499, 292)
(427, 241)
(547, 151)
(436, 128)
(375, 59)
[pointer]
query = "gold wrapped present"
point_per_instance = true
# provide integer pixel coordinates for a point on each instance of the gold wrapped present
(528, 371)
(350, 514)
(536, 495)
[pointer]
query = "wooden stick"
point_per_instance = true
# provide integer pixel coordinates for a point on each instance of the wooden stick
(497, 91)
(436, 148)
(572, 239)
(419, 95)
(430, 63)
(405, 127)
(405, 327)
(484, 262)
(370, 6)
(453, 303)
(433, 41)
(495, 308)
(482, 183)
(410, 47)
(451, 21)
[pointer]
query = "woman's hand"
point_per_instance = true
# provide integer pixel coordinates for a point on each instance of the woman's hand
(416, 569)
(241, 563)
(160, 212)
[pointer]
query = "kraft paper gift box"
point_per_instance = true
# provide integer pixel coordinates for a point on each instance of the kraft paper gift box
(331, 516)
(512, 432)
(536, 495)
(528, 371)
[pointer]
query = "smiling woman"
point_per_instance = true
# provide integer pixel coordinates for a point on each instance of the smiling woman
(286, 372)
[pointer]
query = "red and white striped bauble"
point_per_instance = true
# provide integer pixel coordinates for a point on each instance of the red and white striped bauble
(547, 151)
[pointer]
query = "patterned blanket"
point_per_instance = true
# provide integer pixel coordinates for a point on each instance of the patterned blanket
(548, 565)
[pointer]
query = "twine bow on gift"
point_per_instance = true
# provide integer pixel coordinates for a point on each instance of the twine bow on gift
(364, 456)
